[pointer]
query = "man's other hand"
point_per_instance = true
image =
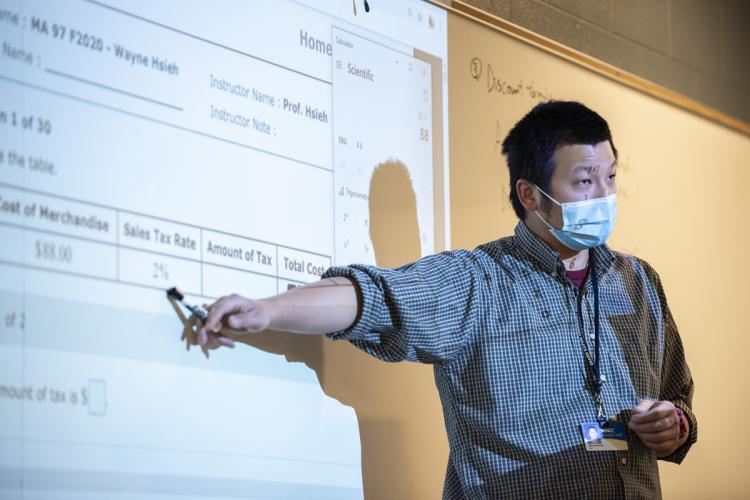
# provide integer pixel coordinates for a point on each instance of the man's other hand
(658, 426)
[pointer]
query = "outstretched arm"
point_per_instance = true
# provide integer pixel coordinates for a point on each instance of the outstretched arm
(325, 306)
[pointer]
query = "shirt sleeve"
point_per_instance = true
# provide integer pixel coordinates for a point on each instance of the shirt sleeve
(676, 381)
(424, 311)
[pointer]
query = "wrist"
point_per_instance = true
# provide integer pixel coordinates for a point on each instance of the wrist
(267, 311)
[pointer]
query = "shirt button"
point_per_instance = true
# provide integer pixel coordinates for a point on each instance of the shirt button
(592, 336)
(545, 314)
(623, 460)
(603, 377)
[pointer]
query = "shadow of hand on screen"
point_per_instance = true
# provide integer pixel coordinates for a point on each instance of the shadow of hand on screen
(396, 404)
(189, 324)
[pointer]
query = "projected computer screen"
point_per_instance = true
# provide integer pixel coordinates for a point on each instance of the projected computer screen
(220, 147)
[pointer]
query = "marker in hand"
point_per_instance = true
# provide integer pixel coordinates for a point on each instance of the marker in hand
(201, 314)
(198, 312)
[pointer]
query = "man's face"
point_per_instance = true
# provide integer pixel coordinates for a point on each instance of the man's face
(582, 172)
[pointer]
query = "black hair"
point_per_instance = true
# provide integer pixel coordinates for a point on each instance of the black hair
(531, 144)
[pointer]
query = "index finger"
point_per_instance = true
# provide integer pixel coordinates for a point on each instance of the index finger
(652, 415)
(219, 309)
(643, 406)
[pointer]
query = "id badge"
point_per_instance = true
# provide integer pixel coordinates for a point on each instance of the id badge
(612, 437)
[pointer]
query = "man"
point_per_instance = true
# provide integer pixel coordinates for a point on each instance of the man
(534, 338)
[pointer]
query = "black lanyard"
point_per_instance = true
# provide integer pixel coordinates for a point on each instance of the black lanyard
(594, 363)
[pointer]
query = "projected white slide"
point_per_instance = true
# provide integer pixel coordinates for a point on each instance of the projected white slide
(219, 147)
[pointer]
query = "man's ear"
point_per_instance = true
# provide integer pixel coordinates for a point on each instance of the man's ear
(527, 195)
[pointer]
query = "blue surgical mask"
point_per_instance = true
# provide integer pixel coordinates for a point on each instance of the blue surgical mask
(586, 223)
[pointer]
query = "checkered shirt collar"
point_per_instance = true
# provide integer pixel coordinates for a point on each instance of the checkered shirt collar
(548, 259)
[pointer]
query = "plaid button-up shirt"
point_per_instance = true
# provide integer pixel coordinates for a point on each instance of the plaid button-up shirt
(501, 326)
